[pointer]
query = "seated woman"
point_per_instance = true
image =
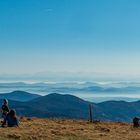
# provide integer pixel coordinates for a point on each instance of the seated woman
(11, 119)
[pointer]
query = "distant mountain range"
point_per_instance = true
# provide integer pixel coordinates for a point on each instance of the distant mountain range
(68, 106)
(71, 87)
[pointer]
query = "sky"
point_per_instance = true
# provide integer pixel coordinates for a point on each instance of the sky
(99, 36)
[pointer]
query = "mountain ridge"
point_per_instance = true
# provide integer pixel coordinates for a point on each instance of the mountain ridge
(69, 106)
(19, 96)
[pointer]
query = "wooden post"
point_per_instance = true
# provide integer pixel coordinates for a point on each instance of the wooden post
(90, 112)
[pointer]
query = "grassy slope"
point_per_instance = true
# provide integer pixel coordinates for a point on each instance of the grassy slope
(40, 129)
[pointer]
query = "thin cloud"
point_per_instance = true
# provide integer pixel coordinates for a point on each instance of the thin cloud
(48, 10)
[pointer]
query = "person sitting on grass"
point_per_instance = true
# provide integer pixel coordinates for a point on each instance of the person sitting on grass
(136, 122)
(11, 119)
(5, 108)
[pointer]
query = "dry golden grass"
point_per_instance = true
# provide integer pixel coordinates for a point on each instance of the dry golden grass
(56, 129)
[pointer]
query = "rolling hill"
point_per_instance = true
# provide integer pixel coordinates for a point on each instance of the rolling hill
(68, 106)
(19, 96)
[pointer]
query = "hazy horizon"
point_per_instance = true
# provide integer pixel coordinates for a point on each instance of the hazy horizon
(69, 77)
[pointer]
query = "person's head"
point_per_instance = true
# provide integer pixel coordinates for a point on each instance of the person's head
(5, 102)
(12, 113)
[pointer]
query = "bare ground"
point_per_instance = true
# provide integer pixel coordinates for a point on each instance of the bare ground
(58, 129)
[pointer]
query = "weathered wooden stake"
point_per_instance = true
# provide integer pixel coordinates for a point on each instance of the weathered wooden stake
(90, 113)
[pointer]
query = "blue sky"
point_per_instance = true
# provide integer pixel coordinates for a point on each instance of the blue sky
(70, 35)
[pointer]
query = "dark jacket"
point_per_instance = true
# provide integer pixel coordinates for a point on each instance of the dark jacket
(5, 109)
(11, 121)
